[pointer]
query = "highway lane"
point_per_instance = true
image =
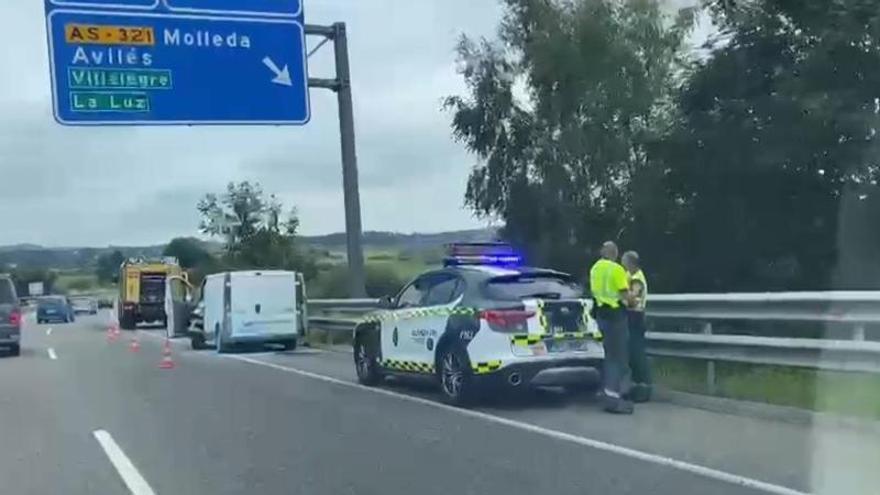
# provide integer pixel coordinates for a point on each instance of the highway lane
(808, 458)
(220, 424)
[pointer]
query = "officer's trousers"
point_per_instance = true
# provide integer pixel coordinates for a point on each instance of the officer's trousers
(615, 339)
(638, 357)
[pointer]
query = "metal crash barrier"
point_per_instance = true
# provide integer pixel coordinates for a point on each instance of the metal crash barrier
(732, 327)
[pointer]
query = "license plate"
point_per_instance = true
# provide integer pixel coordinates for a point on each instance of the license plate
(538, 349)
(569, 345)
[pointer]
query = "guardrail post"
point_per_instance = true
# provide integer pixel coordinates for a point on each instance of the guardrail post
(859, 332)
(710, 365)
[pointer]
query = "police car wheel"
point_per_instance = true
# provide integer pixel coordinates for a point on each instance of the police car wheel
(456, 376)
(366, 361)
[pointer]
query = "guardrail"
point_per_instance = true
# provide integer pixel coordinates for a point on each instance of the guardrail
(856, 310)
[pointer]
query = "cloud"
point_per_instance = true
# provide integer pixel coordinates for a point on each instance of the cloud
(97, 186)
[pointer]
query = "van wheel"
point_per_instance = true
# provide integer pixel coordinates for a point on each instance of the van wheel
(219, 345)
(366, 361)
(290, 345)
(197, 342)
(15, 350)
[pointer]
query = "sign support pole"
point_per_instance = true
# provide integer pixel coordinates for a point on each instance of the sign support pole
(342, 86)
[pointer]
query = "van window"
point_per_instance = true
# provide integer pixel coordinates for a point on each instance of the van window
(7, 292)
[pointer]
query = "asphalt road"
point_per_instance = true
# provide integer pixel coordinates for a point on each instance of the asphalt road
(81, 415)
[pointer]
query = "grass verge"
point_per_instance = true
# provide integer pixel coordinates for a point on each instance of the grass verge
(851, 394)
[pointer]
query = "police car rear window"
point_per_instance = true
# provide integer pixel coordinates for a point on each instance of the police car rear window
(516, 287)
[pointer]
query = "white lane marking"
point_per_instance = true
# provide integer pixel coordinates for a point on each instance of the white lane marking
(136, 483)
(49, 331)
(52, 354)
(559, 435)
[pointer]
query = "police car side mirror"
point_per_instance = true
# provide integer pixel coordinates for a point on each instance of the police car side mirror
(386, 302)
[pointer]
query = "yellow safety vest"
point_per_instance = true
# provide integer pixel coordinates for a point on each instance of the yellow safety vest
(638, 287)
(607, 279)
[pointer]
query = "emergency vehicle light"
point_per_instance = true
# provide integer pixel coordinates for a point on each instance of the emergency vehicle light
(481, 253)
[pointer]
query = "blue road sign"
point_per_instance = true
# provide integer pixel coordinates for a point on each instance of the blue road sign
(291, 8)
(148, 68)
(287, 8)
(114, 4)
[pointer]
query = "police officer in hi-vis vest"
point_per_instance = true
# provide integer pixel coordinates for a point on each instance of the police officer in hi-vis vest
(638, 359)
(609, 285)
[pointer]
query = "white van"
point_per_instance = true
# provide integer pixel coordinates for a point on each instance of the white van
(249, 307)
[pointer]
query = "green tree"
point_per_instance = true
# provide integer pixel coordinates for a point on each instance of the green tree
(256, 231)
(561, 112)
(107, 266)
(771, 168)
(189, 251)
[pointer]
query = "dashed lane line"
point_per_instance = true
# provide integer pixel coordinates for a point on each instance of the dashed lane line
(132, 478)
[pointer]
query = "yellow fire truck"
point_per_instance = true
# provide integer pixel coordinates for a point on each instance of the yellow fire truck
(142, 289)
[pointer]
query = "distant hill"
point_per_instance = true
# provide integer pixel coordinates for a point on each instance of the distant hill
(34, 256)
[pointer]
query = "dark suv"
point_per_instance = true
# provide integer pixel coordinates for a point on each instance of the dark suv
(10, 316)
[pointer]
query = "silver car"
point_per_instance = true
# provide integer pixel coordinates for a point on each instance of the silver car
(84, 305)
(10, 317)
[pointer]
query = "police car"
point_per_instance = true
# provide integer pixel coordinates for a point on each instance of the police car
(483, 321)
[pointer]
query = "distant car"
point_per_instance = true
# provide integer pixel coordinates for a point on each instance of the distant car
(55, 308)
(105, 303)
(10, 316)
(84, 305)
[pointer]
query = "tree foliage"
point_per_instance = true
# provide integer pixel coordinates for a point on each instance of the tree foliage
(256, 232)
(560, 112)
(189, 251)
(746, 166)
(773, 161)
(107, 266)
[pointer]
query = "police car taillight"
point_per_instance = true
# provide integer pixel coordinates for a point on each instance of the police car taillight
(507, 320)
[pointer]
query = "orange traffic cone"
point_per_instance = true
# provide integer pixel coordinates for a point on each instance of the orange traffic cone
(111, 335)
(167, 363)
(135, 345)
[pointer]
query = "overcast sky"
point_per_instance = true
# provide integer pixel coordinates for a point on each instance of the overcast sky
(125, 186)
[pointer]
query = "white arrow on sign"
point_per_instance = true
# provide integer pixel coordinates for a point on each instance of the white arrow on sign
(282, 76)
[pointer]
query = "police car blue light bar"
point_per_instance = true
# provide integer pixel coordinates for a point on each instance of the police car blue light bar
(481, 253)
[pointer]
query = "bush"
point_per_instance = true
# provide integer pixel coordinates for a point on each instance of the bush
(382, 280)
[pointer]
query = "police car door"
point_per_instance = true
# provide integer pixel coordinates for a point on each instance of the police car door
(422, 327)
(409, 300)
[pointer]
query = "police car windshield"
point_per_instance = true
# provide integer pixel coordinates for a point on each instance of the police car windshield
(524, 286)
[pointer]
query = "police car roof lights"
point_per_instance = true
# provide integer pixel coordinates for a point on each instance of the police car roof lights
(481, 253)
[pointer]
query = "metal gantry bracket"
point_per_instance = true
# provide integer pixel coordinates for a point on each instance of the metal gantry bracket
(328, 33)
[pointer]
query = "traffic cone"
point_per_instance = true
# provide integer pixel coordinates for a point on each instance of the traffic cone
(135, 345)
(111, 335)
(167, 363)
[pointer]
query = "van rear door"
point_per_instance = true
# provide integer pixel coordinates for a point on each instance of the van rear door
(263, 304)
